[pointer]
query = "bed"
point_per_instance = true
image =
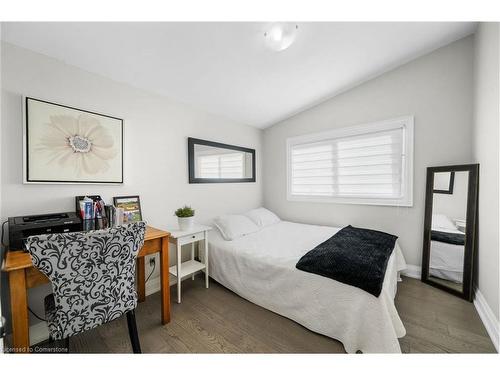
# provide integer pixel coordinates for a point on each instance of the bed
(447, 259)
(260, 267)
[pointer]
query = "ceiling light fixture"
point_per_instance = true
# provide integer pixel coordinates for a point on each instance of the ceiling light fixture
(279, 36)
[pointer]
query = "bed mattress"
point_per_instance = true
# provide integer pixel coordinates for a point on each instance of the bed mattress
(260, 267)
(447, 259)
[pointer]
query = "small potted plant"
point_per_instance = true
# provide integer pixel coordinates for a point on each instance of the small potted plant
(185, 216)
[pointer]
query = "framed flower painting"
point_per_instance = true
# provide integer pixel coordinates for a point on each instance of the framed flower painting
(70, 145)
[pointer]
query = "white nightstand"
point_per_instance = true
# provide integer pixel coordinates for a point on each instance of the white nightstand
(183, 269)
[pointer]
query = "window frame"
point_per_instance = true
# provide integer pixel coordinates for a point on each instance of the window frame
(404, 122)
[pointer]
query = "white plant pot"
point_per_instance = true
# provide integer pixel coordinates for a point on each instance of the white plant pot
(185, 223)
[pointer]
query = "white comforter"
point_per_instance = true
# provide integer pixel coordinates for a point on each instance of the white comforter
(446, 259)
(260, 267)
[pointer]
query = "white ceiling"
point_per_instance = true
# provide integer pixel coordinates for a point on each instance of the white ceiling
(225, 69)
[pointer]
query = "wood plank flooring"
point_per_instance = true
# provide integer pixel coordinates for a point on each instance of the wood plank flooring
(216, 320)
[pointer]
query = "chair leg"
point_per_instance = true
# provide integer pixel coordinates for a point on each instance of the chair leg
(66, 344)
(63, 342)
(132, 331)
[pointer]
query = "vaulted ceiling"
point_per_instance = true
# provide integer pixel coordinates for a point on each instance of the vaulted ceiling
(226, 69)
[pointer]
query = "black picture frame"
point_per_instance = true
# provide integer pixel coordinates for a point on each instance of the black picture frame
(470, 250)
(191, 162)
(450, 187)
(28, 178)
(116, 203)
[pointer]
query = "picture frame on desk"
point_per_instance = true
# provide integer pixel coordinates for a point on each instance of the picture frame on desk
(68, 145)
(131, 205)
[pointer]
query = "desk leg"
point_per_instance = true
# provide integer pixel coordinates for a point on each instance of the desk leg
(141, 279)
(19, 311)
(165, 284)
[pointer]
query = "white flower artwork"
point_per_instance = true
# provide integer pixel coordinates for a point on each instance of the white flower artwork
(65, 144)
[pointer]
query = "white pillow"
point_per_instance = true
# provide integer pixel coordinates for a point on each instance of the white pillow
(440, 221)
(234, 226)
(262, 217)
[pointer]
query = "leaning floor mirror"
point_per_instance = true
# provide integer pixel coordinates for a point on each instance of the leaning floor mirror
(450, 228)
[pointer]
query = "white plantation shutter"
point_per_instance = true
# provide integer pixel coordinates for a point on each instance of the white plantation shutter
(367, 164)
(222, 165)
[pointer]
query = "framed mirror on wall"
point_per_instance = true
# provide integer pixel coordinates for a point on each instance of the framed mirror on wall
(214, 162)
(450, 228)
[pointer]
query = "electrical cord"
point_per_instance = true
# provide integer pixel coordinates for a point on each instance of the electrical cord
(151, 273)
(36, 316)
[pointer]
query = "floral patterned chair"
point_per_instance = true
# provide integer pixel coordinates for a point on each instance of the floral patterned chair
(93, 278)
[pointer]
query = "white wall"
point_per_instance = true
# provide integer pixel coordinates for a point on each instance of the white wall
(155, 157)
(486, 122)
(436, 89)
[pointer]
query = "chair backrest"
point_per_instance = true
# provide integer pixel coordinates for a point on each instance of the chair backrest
(92, 275)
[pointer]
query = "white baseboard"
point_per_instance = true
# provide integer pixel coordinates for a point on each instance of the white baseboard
(412, 271)
(483, 309)
(38, 333)
(153, 286)
(488, 317)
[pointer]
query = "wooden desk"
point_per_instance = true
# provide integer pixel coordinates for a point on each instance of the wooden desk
(22, 276)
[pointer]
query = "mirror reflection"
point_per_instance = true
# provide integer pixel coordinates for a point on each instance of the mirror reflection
(447, 244)
(215, 162)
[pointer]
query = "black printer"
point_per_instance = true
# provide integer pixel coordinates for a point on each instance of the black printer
(21, 227)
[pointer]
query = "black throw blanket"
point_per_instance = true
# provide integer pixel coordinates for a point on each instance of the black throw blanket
(453, 238)
(354, 256)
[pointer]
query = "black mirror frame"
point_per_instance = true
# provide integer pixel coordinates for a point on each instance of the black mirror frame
(194, 180)
(450, 185)
(470, 229)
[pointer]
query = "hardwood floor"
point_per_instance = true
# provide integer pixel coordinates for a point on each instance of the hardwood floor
(216, 320)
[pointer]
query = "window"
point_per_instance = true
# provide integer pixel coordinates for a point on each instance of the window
(229, 165)
(364, 164)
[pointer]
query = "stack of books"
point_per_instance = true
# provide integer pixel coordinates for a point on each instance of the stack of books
(96, 214)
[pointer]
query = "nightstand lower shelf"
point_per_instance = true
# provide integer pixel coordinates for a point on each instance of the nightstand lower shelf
(187, 268)
(197, 234)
